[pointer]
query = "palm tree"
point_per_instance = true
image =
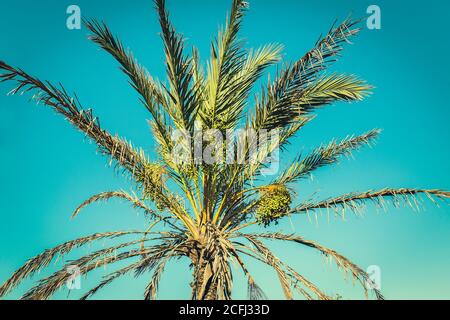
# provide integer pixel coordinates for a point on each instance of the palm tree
(201, 210)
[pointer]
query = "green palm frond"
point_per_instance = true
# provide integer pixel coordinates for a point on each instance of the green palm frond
(325, 155)
(149, 89)
(278, 107)
(183, 97)
(330, 89)
(235, 94)
(307, 284)
(253, 170)
(227, 61)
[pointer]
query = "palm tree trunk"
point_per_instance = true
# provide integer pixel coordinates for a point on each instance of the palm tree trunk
(204, 285)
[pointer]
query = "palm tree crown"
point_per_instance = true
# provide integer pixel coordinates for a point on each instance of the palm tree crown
(201, 209)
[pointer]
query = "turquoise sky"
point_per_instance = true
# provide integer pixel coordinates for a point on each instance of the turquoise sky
(47, 169)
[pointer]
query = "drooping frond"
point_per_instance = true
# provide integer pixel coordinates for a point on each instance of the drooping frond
(355, 202)
(48, 286)
(256, 159)
(340, 260)
(308, 284)
(254, 291)
(325, 155)
(294, 279)
(110, 278)
(275, 263)
(117, 194)
(267, 147)
(58, 99)
(149, 261)
(136, 202)
(152, 288)
(274, 203)
(43, 260)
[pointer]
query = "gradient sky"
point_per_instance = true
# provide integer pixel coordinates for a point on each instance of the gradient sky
(47, 169)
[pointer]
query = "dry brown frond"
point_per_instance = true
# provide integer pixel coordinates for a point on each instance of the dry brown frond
(341, 261)
(43, 260)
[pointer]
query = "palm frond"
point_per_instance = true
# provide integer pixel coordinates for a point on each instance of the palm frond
(278, 107)
(356, 202)
(152, 288)
(48, 286)
(308, 284)
(233, 98)
(151, 92)
(110, 278)
(294, 78)
(42, 260)
(325, 155)
(227, 61)
(147, 260)
(275, 263)
(117, 194)
(254, 291)
(135, 201)
(237, 176)
(58, 99)
(330, 89)
(293, 277)
(183, 95)
(341, 261)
